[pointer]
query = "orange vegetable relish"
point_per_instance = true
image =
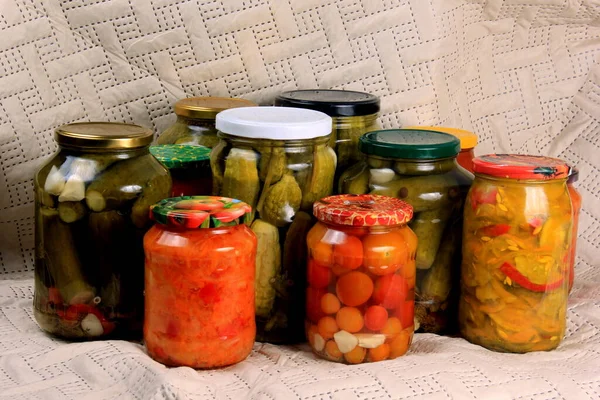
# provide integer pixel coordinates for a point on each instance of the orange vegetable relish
(199, 291)
(516, 243)
(361, 277)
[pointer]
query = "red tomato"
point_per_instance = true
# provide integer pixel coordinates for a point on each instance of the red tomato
(318, 275)
(479, 196)
(389, 291)
(313, 304)
(375, 317)
(349, 253)
(406, 313)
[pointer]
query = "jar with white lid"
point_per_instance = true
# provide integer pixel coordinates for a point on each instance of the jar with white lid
(278, 160)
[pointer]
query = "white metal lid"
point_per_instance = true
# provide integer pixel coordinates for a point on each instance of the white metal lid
(278, 123)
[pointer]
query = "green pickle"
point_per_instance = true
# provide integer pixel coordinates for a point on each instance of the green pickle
(92, 206)
(420, 167)
(240, 180)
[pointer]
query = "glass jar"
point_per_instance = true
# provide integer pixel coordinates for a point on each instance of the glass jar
(91, 210)
(576, 205)
(189, 167)
(279, 161)
(353, 114)
(468, 141)
(419, 167)
(200, 265)
(361, 277)
(515, 269)
(195, 123)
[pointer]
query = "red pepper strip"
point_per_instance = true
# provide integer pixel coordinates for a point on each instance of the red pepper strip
(495, 230)
(517, 277)
(479, 196)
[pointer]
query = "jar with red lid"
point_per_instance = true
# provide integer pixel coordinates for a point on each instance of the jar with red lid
(361, 277)
(199, 282)
(189, 167)
(516, 246)
(576, 204)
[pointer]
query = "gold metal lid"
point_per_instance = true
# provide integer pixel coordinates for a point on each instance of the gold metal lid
(208, 107)
(103, 135)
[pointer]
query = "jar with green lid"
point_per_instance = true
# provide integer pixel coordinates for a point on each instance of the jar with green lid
(420, 167)
(195, 124)
(277, 160)
(189, 167)
(92, 201)
(353, 114)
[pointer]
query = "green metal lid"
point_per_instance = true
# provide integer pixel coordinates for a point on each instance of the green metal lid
(414, 144)
(179, 155)
(192, 212)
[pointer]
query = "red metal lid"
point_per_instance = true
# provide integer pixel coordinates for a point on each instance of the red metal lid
(362, 210)
(200, 212)
(517, 166)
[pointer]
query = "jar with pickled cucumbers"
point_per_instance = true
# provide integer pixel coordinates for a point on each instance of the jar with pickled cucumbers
(419, 167)
(576, 205)
(468, 141)
(516, 245)
(91, 211)
(199, 291)
(195, 124)
(189, 167)
(353, 114)
(361, 277)
(278, 160)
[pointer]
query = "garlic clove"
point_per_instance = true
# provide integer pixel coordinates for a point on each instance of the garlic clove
(345, 341)
(74, 189)
(380, 176)
(91, 325)
(55, 181)
(370, 340)
(319, 342)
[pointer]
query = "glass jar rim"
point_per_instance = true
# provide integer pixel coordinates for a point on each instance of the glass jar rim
(103, 135)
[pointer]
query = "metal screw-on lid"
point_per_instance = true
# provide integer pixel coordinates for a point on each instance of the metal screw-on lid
(103, 135)
(521, 166)
(208, 107)
(179, 155)
(193, 212)
(335, 103)
(407, 144)
(468, 140)
(362, 210)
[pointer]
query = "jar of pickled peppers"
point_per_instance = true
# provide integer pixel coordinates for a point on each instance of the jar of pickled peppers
(361, 277)
(419, 167)
(189, 167)
(195, 124)
(91, 212)
(517, 240)
(278, 160)
(576, 204)
(199, 288)
(353, 114)
(468, 141)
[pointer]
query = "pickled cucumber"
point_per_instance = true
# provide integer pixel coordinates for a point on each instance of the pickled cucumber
(437, 282)
(268, 265)
(240, 180)
(429, 227)
(346, 140)
(71, 211)
(355, 180)
(424, 193)
(282, 201)
(321, 182)
(216, 155)
(272, 164)
(376, 162)
(156, 189)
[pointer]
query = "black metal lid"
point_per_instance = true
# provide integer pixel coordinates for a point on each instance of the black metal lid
(335, 103)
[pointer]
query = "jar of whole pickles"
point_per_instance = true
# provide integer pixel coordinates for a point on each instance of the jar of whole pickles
(576, 205)
(353, 114)
(189, 167)
(91, 211)
(468, 141)
(199, 288)
(419, 167)
(517, 238)
(361, 278)
(278, 160)
(195, 124)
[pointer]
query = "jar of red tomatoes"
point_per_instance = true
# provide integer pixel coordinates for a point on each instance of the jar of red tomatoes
(361, 278)
(199, 282)
(516, 246)
(576, 205)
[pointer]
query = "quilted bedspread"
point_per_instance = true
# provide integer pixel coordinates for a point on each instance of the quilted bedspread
(523, 74)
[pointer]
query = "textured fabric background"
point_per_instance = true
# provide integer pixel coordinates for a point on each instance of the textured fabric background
(522, 74)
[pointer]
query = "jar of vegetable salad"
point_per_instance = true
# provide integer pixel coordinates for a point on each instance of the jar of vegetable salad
(353, 114)
(517, 239)
(576, 204)
(419, 167)
(278, 160)
(91, 211)
(189, 167)
(200, 282)
(361, 277)
(195, 124)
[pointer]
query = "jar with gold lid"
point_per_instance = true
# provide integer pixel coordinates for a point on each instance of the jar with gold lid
(195, 124)
(92, 201)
